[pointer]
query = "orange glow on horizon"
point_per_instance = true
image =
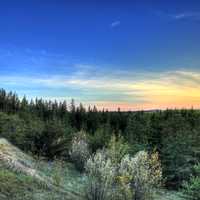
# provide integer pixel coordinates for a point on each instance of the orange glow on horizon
(136, 107)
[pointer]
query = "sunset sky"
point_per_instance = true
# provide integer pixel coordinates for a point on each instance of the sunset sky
(129, 54)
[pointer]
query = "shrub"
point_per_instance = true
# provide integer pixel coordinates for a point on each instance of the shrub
(179, 154)
(100, 138)
(192, 188)
(12, 128)
(140, 174)
(79, 152)
(53, 142)
(101, 175)
(117, 148)
(132, 177)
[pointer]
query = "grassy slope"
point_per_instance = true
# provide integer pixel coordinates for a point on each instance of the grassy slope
(168, 195)
(22, 176)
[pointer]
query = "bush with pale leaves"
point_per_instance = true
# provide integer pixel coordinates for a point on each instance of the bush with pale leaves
(132, 178)
(101, 175)
(79, 152)
(140, 174)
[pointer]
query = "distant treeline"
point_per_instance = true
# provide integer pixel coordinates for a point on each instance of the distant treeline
(77, 117)
(46, 128)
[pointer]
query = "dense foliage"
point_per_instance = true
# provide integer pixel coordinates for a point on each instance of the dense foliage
(79, 151)
(46, 128)
(192, 187)
(101, 173)
(140, 174)
(131, 177)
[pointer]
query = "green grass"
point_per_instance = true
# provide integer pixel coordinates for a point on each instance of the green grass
(67, 184)
(168, 195)
(48, 181)
(64, 175)
(57, 180)
(15, 186)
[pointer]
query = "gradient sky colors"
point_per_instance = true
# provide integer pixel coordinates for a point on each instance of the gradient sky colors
(128, 54)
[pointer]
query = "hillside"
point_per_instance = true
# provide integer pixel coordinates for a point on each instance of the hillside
(37, 178)
(21, 175)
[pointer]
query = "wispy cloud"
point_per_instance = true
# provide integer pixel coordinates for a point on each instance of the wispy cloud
(178, 88)
(115, 24)
(93, 84)
(186, 15)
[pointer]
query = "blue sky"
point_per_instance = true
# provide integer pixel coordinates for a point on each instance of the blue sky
(132, 54)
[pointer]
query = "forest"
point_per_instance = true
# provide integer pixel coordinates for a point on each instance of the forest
(130, 153)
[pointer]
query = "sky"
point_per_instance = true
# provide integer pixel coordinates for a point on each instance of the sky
(129, 54)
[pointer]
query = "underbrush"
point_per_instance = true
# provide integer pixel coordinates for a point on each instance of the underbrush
(60, 180)
(15, 186)
(65, 183)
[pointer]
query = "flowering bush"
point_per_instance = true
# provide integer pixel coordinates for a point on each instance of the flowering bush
(79, 152)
